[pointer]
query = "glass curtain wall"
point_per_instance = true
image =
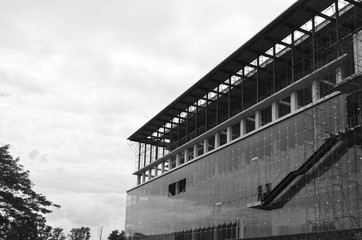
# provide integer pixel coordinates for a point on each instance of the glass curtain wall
(219, 186)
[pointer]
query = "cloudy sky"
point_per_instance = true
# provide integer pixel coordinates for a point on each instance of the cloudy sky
(77, 77)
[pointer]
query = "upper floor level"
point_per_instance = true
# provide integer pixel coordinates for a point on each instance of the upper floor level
(295, 61)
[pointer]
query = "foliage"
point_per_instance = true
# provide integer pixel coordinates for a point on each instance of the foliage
(116, 235)
(22, 210)
(57, 234)
(82, 233)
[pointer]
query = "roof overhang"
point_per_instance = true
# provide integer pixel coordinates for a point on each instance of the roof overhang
(291, 19)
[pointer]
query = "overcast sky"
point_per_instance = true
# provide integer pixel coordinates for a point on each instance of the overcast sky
(77, 77)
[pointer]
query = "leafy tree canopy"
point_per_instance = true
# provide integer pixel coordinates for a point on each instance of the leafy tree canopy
(82, 233)
(22, 210)
(57, 234)
(116, 235)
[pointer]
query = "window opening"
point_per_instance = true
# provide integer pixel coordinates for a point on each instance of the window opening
(177, 187)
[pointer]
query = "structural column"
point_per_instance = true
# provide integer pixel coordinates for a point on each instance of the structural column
(275, 111)
(196, 150)
(229, 134)
(156, 171)
(143, 177)
(316, 92)
(257, 119)
(206, 145)
(339, 76)
(217, 140)
(169, 164)
(177, 160)
(294, 102)
(139, 179)
(187, 153)
(242, 127)
(162, 167)
(150, 174)
(357, 48)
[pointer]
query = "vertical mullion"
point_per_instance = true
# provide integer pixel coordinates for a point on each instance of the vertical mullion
(164, 140)
(145, 155)
(313, 45)
(242, 90)
(229, 98)
(151, 148)
(257, 80)
(337, 19)
(178, 131)
(217, 104)
(139, 155)
(196, 118)
(274, 69)
(293, 58)
(206, 111)
(187, 125)
(157, 140)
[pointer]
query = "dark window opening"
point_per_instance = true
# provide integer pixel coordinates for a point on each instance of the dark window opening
(284, 107)
(172, 189)
(182, 185)
(235, 131)
(200, 148)
(304, 97)
(177, 187)
(266, 116)
(211, 143)
(250, 124)
(223, 138)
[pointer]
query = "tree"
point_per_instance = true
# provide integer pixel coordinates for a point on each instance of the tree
(22, 210)
(82, 233)
(57, 234)
(116, 235)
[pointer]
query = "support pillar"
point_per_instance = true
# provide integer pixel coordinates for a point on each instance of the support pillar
(257, 119)
(177, 160)
(294, 102)
(156, 171)
(229, 134)
(139, 179)
(316, 91)
(242, 127)
(196, 150)
(357, 49)
(169, 164)
(275, 111)
(339, 76)
(162, 167)
(217, 140)
(149, 174)
(206, 145)
(143, 177)
(186, 154)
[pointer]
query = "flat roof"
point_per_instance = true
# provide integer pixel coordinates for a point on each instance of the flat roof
(280, 28)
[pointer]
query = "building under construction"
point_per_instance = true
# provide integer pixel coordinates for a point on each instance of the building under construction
(267, 145)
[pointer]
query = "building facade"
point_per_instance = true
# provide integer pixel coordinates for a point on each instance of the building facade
(267, 145)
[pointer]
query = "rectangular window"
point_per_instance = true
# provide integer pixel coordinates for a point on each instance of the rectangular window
(172, 189)
(182, 185)
(177, 187)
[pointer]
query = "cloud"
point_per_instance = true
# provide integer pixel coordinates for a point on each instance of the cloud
(33, 154)
(79, 77)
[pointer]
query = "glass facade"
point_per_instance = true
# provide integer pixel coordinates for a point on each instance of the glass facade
(219, 185)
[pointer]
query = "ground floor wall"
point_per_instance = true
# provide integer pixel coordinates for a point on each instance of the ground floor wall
(212, 201)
